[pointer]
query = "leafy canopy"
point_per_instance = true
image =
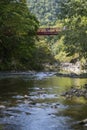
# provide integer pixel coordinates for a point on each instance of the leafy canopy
(74, 17)
(17, 32)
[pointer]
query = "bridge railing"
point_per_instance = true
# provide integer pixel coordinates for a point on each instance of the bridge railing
(48, 31)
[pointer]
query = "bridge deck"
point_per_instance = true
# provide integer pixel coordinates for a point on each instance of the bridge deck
(48, 31)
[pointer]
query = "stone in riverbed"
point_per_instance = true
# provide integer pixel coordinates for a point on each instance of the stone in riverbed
(26, 96)
(85, 125)
(2, 107)
(75, 92)
(83, 122)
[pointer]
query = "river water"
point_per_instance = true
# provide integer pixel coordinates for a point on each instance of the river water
(34, 102)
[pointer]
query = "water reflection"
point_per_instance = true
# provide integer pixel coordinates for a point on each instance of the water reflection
(36, 104)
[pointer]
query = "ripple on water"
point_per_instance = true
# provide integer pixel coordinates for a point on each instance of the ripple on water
(35, 103)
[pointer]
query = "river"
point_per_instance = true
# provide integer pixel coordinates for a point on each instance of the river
(34, 102)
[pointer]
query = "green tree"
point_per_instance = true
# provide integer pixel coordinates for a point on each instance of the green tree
(73, 15)
(18, 29)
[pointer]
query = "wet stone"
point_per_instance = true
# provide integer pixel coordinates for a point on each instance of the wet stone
(85, 125)
(55, 105)
(2, 107)
(75, 92)
(83, 122)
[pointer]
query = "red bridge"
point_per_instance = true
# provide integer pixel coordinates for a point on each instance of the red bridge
(48, 31)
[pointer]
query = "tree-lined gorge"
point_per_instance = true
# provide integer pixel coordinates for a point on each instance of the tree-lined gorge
(22, 49)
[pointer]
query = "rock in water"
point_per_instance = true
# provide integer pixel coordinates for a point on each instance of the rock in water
(83, 122)
(2, 107)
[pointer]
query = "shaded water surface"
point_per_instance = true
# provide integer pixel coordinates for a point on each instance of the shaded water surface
(34, 102)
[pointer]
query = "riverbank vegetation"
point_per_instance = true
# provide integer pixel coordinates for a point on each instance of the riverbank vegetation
(73, 15)
(17, 35)
(74, 18)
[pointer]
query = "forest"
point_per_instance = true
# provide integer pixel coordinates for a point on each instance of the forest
(45, 10)
(69, 14)
(22, 49)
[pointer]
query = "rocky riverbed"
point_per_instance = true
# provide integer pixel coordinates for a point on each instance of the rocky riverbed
(75, 91)
(76, 68)
(66, 69)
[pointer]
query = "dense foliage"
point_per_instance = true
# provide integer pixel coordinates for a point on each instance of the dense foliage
(72, 14)
(17, 35)
(74, 17)
(19, 45)
(47, 13)
(46, 10)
